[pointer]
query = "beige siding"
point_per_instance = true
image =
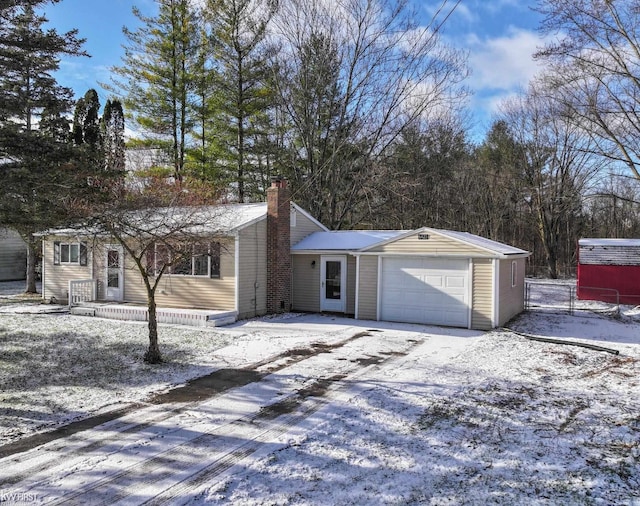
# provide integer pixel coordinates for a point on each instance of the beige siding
(482, 294)
(303, 226)
(13, 255)
(511, 298)
(55, 284)
(351, 285)
(252, 278)
(436, 245)
(305, 283)
(368, 289)
(188, 291)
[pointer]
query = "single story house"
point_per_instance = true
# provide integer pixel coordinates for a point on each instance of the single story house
(13, 256)
(275, 257)
(609, 270)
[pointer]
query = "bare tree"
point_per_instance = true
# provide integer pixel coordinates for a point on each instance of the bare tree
(558, 164)
(160, 227)
(595, 63)
(353, 75)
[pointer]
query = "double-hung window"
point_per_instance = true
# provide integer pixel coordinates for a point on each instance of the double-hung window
(69, 253)
(204, 261)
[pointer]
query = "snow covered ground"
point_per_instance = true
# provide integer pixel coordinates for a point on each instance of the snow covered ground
(386, 414)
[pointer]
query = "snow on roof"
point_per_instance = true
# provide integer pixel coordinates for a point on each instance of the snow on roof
(200, 220)
(345, 239)
(483, 242)
(609, 242)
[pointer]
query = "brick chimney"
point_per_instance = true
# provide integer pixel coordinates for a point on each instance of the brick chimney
(278, 247)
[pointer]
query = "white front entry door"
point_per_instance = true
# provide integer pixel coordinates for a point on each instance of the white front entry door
(333, 284)
(114, 275)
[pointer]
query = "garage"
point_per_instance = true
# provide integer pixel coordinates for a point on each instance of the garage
(425, 276)
(425, 290)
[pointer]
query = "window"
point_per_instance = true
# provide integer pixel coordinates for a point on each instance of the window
(204, 261)
(514, 273)
(74, 253)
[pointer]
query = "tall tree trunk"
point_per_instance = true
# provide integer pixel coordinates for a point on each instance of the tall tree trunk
(152, 356)
(31, 265)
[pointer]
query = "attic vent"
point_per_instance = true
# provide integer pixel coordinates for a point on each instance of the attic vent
(423, 237)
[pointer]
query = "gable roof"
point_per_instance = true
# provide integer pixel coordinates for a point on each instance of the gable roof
(483, 242)
(220, 219)
(361, 241)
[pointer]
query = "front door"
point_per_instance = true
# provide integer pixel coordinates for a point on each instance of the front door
(114, 280)
(333, 284)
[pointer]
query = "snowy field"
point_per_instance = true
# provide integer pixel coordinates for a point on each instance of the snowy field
(413, 414)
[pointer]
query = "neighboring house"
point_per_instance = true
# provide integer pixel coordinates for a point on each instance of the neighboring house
(609, 270)
(273, 261)
(13, 256)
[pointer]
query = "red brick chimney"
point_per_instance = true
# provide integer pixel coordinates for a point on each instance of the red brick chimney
(278, 247)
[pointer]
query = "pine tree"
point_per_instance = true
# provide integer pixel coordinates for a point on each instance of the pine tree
(241, 94)
(156, 77)
(34, 134)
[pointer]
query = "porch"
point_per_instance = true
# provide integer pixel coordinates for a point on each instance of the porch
(133, 312)
(82, 301)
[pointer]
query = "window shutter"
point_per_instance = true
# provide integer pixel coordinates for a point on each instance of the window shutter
(83, 253)
(214, 264)
(56, 253)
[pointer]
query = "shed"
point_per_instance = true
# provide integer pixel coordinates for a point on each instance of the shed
(426, 276)
(13, 256)
(609, 270)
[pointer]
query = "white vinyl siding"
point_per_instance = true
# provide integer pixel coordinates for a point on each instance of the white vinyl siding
(511, 298)
(194, 292)
(252, 276)
(305, 283)
(482, 294)
(436, 244)
(368, 288)
(56, 283)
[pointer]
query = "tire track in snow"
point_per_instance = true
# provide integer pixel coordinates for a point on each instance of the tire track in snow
(190, 460)
(129, 420)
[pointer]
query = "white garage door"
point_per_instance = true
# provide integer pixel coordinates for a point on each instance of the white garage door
(425, 290)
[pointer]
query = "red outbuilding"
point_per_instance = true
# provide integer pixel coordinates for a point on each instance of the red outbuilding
(609, 270)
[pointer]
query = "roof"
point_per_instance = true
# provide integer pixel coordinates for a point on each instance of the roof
(483, 242)
(609, 242)
(349, 240)
(362, 240)
(220, 219)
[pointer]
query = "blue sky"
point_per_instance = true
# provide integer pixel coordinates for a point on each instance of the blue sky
(500, 36)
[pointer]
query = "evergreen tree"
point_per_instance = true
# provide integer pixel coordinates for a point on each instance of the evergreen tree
(34, 134)
(241, 95)
(112, 128)
(156, 77)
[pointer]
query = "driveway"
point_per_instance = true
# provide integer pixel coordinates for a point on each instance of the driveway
(166, 450)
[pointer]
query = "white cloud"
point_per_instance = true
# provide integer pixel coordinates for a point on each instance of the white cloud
(505, 62)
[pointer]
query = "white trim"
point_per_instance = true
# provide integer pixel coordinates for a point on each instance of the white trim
(43, 274)
(418, 254)
(495, 293)
(236, 269)
(355, 311)
(379, 289)
(120, 249)
(470, 286)
(341, 306)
